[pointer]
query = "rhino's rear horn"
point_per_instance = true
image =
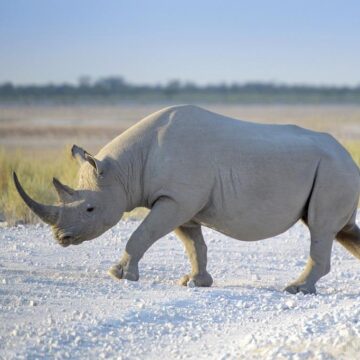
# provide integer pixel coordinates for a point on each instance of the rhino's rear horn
(47, 213)
(65, 193)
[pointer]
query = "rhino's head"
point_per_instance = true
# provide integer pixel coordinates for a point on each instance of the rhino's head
(85, 213)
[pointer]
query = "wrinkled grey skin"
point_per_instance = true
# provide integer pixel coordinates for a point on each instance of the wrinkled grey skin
(192, 167)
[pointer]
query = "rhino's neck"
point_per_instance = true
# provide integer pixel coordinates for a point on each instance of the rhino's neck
(130, 168)
(128, 153)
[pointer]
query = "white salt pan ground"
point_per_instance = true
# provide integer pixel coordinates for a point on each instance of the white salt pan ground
(60, 303)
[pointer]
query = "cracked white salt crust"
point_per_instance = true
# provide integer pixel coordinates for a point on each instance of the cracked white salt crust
(60, 303)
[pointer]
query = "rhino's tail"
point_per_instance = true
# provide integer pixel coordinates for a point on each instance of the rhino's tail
(349, 237)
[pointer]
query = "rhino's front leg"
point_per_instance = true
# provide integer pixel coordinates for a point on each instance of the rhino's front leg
(196, 249)
(125, 269)
(164, 217)
(318, 265)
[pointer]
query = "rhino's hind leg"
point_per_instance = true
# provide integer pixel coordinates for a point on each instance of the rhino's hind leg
(331, 206)
(196, 249)
(318, 264)
(349, 237)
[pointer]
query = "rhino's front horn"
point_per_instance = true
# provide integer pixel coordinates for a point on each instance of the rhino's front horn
(47, 213)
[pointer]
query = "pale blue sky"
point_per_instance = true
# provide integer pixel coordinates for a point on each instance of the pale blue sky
(154, 41)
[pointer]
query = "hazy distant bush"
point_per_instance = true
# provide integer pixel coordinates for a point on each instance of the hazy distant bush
(115, 89)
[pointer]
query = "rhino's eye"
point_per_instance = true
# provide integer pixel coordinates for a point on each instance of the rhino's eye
(90, 209)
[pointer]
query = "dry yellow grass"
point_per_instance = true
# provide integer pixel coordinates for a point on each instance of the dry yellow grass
(354, 149)
(35, 171)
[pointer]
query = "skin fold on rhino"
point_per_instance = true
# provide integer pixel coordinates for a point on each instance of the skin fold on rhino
(192, 168)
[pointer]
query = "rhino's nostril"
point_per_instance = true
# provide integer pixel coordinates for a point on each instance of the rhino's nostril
(65, 240)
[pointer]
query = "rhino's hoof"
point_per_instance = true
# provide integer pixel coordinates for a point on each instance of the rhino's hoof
(117, 272)
(296, 288)
(184, 280)
(200, 280)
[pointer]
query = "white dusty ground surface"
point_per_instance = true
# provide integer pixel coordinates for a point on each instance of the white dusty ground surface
(60, 303)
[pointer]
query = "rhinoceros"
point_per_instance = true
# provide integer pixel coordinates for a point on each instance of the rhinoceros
(193, 168)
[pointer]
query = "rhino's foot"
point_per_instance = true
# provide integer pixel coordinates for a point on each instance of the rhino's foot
(304, 288)
(118, 272)
(199, 280)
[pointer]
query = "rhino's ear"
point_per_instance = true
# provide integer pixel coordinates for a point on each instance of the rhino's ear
(65, 193)
(81, 155)
(95, 163)
(78, 153)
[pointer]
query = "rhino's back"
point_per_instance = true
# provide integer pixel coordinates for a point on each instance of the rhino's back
(197, 131)
(191, 140)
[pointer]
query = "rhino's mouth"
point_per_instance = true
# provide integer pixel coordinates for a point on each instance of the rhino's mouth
(67, 239)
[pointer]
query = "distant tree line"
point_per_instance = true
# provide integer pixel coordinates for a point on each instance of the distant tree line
(115, 89)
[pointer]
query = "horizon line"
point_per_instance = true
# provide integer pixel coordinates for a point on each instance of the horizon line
(182, 82)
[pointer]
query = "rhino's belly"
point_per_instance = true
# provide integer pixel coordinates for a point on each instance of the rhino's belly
(252, 225)
(253, 221)
(258, 203)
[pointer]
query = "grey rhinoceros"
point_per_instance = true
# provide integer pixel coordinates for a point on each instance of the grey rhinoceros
(194, 168)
